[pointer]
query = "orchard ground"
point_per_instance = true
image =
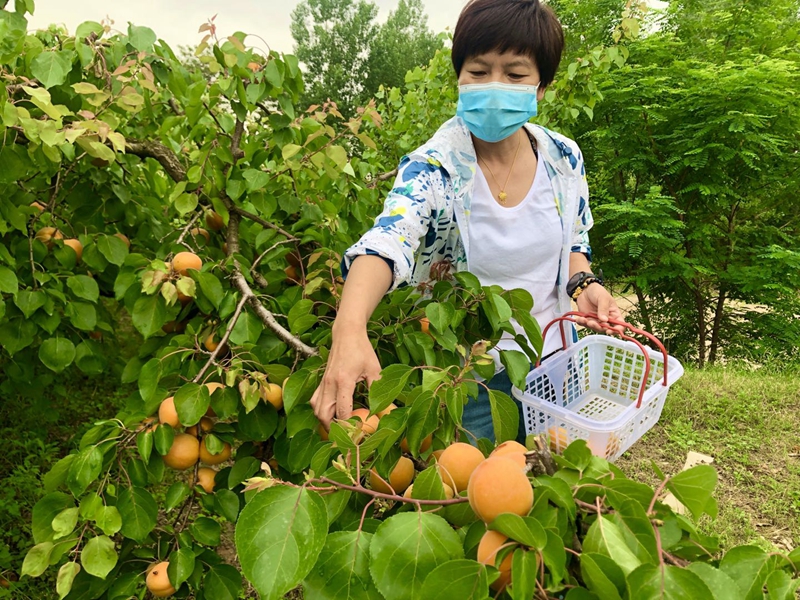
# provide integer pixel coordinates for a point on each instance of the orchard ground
(747, 419)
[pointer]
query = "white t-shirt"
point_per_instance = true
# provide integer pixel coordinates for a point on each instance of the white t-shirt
(519, 247)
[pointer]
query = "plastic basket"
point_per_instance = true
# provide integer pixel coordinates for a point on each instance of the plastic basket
(607, 390)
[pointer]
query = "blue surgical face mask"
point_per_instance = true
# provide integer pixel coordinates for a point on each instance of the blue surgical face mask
(494, 111)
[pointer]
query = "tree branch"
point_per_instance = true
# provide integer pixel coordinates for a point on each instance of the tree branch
(381, 178)
(264, 223)
(166, 157)
(247, 293)
(223, 342)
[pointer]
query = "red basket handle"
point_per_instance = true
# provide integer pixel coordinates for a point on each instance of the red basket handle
(570, 317)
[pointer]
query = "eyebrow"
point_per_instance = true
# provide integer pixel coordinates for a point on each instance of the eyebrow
(509, 65)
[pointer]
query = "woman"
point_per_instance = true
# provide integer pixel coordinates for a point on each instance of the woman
(489, 192)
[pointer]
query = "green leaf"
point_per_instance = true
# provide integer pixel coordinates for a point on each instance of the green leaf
(637, 530)
(37, 559)
(505, 416)
(84, 286)
(191, 403)
(149, 315)
(51, 68)
(227, 503)
(57, 353)
(44, 511)
(722, 587)
(749, 567)
(279, 536)
(423, 419)
(781, 586)
(247, 329)
(176, 494)
(517, 366)
(149, 376)
(222, 582)
(273, 74)
(440, 314)
(385, 390)
(342, 570)
(113, 249)
(89, 358)
(16, 335)
(141, 38)
(256, 179)
(181, 565)
(8, 281)
(29, 302)
(462, 578)
(138, 511)
(299, 388)
(211, 287)
(57, 474)
(66, 575)
(602, 576)
(524, 571)
(84, 469)
(99, 557)
(523, 530)
(604, 537)
(206, 531)
(163, 437)
(87, 28)
(65, 522)
(694, 488)
(658, 582)
(406, 548)
(108, 519)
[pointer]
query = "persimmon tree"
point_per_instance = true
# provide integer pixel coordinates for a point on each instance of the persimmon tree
(207, 209)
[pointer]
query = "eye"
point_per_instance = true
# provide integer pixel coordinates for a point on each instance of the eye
(477, 73)
(516, 76)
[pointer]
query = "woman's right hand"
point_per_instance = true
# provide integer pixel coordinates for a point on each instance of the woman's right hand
(352, 359)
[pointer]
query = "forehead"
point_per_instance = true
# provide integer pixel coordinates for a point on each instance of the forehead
(509, 58)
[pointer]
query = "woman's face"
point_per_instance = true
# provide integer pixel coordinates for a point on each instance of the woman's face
(493, 67)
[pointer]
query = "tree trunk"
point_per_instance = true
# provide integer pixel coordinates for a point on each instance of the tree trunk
(712, 355)
(644, 311)
(701, 324)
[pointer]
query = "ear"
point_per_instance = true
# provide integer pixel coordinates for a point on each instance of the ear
(540, 94)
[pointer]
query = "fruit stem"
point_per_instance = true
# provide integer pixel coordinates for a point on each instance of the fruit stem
(393, 497)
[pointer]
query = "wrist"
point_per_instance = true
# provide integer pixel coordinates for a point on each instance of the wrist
(344, 326)
(578, 283)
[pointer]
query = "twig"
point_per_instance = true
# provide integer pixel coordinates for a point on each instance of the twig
(381, 178)
(657, 493)
(223, 342)
(674, 560)
(186, 229)
(262, 222)
(213, 116)
(587, 506)
(393, 497)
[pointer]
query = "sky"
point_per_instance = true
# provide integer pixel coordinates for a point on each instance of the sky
(177, 21)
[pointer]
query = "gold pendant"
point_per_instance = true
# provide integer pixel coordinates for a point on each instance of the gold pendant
(502, 197)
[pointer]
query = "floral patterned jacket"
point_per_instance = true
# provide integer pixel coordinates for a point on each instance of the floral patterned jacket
(425, 218)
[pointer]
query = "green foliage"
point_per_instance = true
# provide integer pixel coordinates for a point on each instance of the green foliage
(348, 56)
(111, 134)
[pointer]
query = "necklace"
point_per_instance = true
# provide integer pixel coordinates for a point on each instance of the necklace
(502, 196)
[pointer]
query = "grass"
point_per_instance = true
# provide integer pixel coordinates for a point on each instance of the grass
(749, 421)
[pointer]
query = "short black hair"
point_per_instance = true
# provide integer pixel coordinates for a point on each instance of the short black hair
(526, 27)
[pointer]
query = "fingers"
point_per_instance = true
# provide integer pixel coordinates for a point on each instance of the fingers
(324, 403)
(344, 398)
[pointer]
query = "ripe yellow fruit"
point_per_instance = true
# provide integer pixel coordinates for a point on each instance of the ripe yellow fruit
(499, 485)
(213, 386)
(559, 438)
(272, 393)
(425, 325)
(488, 548)
(457, 463)
(210, 343)
(291, 275)
(426, 443)
(76, 246)
(509, 447)
(205, 479)
(158, 581)
(38, 206)
(124, 238)
(199, 231)
(174, 327)
(46, 235)
(206, 424)
(437, 454)
(386, 411)
(184, 452)
(214, 459)
(368, 424)
(168, 414)
(399, 479)
(322, 433)
(214, 221)
(183, 262)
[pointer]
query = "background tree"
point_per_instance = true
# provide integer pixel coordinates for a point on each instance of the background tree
(694, 157)
(347, 55)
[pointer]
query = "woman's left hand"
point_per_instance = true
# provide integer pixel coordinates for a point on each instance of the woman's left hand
(596, 299)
